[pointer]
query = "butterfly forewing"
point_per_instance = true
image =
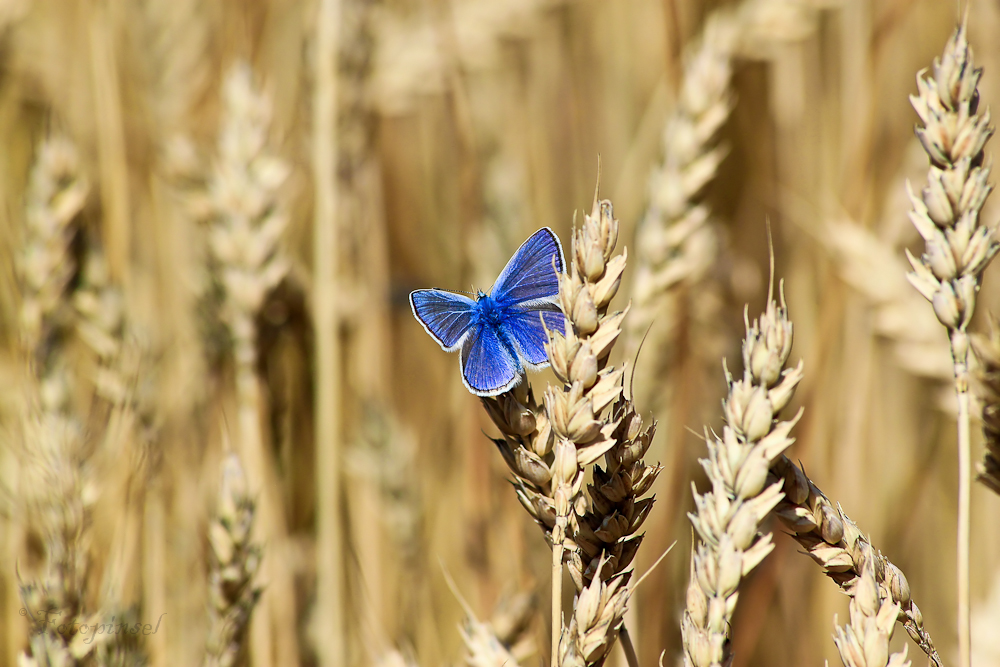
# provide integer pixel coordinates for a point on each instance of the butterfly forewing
(525, 327)
(532, 273)
(488, 367)
(446, 316)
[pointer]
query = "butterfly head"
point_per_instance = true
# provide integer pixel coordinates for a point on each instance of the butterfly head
(480, 294)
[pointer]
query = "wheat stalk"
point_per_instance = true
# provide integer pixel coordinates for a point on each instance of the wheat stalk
(326, 263)
(958, 248)
(234, 562)
(864, 642)
(729, 516)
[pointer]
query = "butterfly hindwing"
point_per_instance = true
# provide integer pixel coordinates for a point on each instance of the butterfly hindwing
(525, 328)
(446, 316)
(531, 275)
(488, 366)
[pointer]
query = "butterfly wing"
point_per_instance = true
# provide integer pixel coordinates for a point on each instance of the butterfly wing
(525, 328)
(530, 276)
(446, 316)
(488, 365)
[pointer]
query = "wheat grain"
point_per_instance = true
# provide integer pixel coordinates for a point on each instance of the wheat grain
(729, 516)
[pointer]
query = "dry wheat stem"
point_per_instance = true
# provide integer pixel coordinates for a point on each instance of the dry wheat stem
(729, 516)
(836, 544)
(864, 642)
(958, 247)
(328, 350)
(234, 561)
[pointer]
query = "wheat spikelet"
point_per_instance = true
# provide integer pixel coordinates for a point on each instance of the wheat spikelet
(864, 642)
(56, 502)
(234, 562)
(729, 517)
(598, 613)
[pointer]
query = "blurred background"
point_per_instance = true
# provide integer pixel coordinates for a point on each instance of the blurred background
(192, 262)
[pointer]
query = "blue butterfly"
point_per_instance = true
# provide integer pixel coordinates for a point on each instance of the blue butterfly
(500, 333)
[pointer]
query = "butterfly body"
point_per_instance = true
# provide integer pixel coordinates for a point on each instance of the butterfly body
(500, 333)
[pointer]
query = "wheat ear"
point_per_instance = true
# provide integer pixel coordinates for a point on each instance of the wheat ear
(729, 516)
(675, 242)
(864, 642)
(958, 247)
(234, 562)
(54, 475)
(57, 191)
(830, 538)
(585, 419)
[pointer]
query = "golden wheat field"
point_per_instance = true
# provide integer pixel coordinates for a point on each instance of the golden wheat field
(226, 440)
